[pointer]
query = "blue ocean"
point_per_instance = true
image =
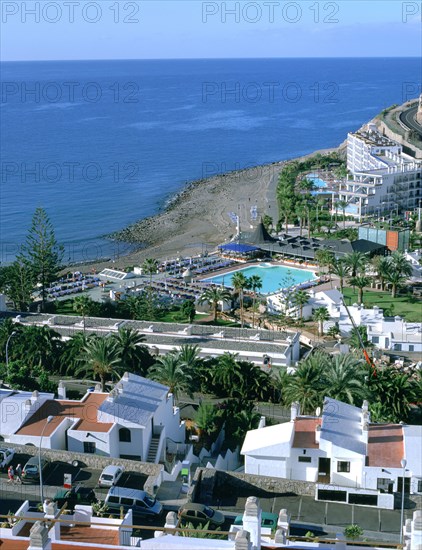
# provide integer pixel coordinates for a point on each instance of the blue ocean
(102, 144)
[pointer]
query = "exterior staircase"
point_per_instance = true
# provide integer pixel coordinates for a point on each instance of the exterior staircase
(153, 448)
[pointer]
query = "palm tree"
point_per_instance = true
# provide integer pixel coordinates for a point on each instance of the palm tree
(83, 305)
(206, 419)
(382, 267)
(188, 356)
(168, 370)
(40, 346)
(254, 283)
(133, 355)
(300, 212)
(213, 295)
(228, 374)
(399, 263)
(356, 262)
(240, 283)
(359, 337)
(100, 358)
(345, 378)
(319, 203)
(320, 315)
(150, 266)
(341, 270)
(360, 281)
(70, 356)
(343, 205)
(396, 279)
(300, 299)
(324, 257)
(392, 393)
(306, 385)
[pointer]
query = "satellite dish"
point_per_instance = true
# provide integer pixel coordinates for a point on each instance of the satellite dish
(318, 411)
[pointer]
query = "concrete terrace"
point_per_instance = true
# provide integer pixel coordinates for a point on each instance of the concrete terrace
(250, 344)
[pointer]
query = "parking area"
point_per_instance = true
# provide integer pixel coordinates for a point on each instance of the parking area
(305, 510)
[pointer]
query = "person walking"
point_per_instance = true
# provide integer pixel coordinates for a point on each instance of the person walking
(18, 473)
(10, 475)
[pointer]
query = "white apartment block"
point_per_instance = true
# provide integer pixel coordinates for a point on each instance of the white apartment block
(382, 177)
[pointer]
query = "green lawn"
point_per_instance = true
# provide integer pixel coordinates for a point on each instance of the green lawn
(407, 307)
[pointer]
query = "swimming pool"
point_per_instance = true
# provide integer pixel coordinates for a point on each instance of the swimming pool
(274, 277)
(320, 185)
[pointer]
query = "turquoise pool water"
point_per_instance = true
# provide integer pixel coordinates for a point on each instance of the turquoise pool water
(274, 277)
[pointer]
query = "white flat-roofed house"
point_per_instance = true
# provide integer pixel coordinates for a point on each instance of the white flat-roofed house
(132, 421)
(340, 448)
(394, 333)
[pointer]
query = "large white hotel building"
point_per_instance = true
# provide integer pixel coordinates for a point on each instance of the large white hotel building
(382, 177)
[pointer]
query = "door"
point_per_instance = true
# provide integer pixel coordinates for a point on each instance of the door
(324, 470)
(406, 485)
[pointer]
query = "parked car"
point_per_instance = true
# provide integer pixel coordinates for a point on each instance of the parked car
(110, 476)
(199, 513)
(267, 520)
(138, 501)
(6, 456)
(74, 496)
(30, 472)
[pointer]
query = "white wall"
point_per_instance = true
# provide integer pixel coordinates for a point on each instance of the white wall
(104, 441)
(135, 447)
(266, 466)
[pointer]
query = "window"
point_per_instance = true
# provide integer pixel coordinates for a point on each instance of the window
(89, 447)
(125, 435)
(343, 467)
(397, 347)
(419, 486)
(383, 484)
(411, 347)
(140, 503)
(305, 459)
(114, 500)
(375, 339)
(127, 501)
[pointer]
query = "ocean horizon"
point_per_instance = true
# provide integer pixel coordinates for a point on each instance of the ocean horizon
(102, 144)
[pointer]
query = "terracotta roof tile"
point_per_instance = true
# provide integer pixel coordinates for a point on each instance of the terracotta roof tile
(86, 410)
(305, 433)
(385, 445)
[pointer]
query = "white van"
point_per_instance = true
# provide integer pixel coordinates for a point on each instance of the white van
(110, 476)
(138, 501)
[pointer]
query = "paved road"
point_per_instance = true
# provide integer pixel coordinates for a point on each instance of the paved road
(408, 119)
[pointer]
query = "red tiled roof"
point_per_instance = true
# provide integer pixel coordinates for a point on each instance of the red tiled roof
(85, 410)
(385, 445)
(305, 433)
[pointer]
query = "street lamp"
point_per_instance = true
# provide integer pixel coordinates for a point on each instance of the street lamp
(7, 351)
(403, 463)
(49, 419)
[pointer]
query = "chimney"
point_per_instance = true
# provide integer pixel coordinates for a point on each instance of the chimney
(261, 422)
(365, 432)
(119, 387)
(317, 433)
(252, 521)
(28, 404)
(242, 542)
(97, 388)
(61, 390)
(125, 377)
(365, 406)
(38, 537)
(294, 411)
(112, 395)
(35, 396)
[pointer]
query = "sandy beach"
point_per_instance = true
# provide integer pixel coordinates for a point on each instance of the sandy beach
(198, 217)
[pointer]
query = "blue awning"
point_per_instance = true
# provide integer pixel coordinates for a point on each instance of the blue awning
(238, 247)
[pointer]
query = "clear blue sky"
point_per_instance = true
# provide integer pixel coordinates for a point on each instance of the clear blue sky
(197, 29)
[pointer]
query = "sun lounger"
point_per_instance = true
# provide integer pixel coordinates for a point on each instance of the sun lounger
(149, 329)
